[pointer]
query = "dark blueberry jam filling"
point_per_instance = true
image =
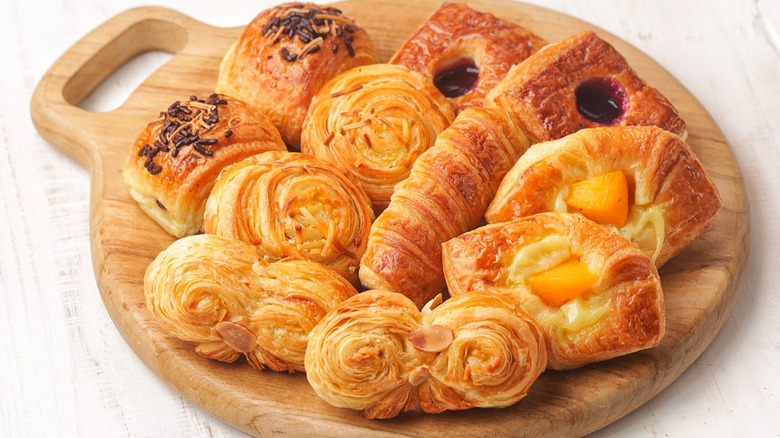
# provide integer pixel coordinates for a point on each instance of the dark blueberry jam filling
(601, 100)
(457, 79)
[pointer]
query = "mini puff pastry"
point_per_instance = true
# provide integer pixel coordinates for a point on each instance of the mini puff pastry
(671, 199)
(373, 122)
(581, 82)
(378, 354)
(457, 44)
(292, 205)
(219, 294)
(174, 162)
(286, 54)
(445, 195)
(619, 310)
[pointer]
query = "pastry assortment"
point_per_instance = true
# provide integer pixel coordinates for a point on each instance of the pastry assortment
(478, 210)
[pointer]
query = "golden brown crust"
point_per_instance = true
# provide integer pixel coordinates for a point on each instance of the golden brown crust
(378, 354)
(665, 177)
(445, 195)
(373, 122)
(455, 33)
(259, 68)
(622, 313)
(170, 182)
(540, 91)
(217, 293)
(292, 205)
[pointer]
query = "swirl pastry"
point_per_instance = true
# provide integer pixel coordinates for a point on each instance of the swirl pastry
(642, 181)
(465, 52)
(219, 294)
(292, 205)
(580, 82)
(174, 162)
(446, 194)
(286, 54)
(373, 122)
(378, 354)
(594, 293)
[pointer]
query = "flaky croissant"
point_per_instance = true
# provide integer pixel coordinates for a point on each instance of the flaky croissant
(292, 205)
(377, 353)
(445, 195)
(218, 293)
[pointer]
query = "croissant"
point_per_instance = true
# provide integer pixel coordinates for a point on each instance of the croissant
(217, 293)
(373, 122)
(174, 162)
(292, 205)
(465, 52)
(445, 195)
(669, 199)
(580, 82)
(377, 353)
(286, 54)
(595, 294)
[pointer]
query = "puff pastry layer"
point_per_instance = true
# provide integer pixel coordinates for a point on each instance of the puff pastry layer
(671, 198)
(219, 294)
(292, 205)
(374, 122)
(621, 313)
(378, 354)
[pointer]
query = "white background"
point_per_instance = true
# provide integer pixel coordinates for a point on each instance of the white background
(66, 371)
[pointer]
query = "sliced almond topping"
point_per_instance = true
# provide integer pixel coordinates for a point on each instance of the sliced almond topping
(419, 375)
(432, 304)
(433, 338)
(236, 336)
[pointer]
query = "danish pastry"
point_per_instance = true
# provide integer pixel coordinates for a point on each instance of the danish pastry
(642, 181)
(219, 294)
(465, 52)
(292, 205)
(446, 194)
(286, 54)
(595, 294)
(174, 162)
(373, 122)
(580, 82)
(377, 353)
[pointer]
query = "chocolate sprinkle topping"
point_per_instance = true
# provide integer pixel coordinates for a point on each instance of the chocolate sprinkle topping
(312, 26)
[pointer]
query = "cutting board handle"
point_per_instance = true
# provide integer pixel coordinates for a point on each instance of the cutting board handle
(54, 106)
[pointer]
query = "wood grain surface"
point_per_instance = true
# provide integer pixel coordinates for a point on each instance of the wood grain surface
(701, 284)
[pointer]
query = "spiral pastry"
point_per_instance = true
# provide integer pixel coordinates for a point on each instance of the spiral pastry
(292, 205)
(218, 293)
(373, 122)
(377, 353)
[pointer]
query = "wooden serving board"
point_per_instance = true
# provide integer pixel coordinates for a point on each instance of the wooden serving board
(701, 285)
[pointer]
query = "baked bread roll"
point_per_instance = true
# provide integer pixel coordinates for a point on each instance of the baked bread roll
(292, 205)
(465, 52)
(286, 54)
(595, 294)
(219, 294)
(580, 82)
(378, 354)
(174, 162)
(373, 122)
(641, 181)
(445, 195)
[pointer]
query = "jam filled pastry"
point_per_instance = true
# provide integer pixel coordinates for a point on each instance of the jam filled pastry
(377, 353)
(580, 82)
(373, 122)
(641, 181)
(595, 294)
(176, 159)
(465, 52)
(219, 294)
(446, 194)
(292, 205)
(286, 54)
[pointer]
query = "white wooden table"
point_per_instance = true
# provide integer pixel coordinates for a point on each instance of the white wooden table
(66, 371)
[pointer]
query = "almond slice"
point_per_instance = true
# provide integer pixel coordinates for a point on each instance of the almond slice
(432, 338)
(419, 375)
(236, 336)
